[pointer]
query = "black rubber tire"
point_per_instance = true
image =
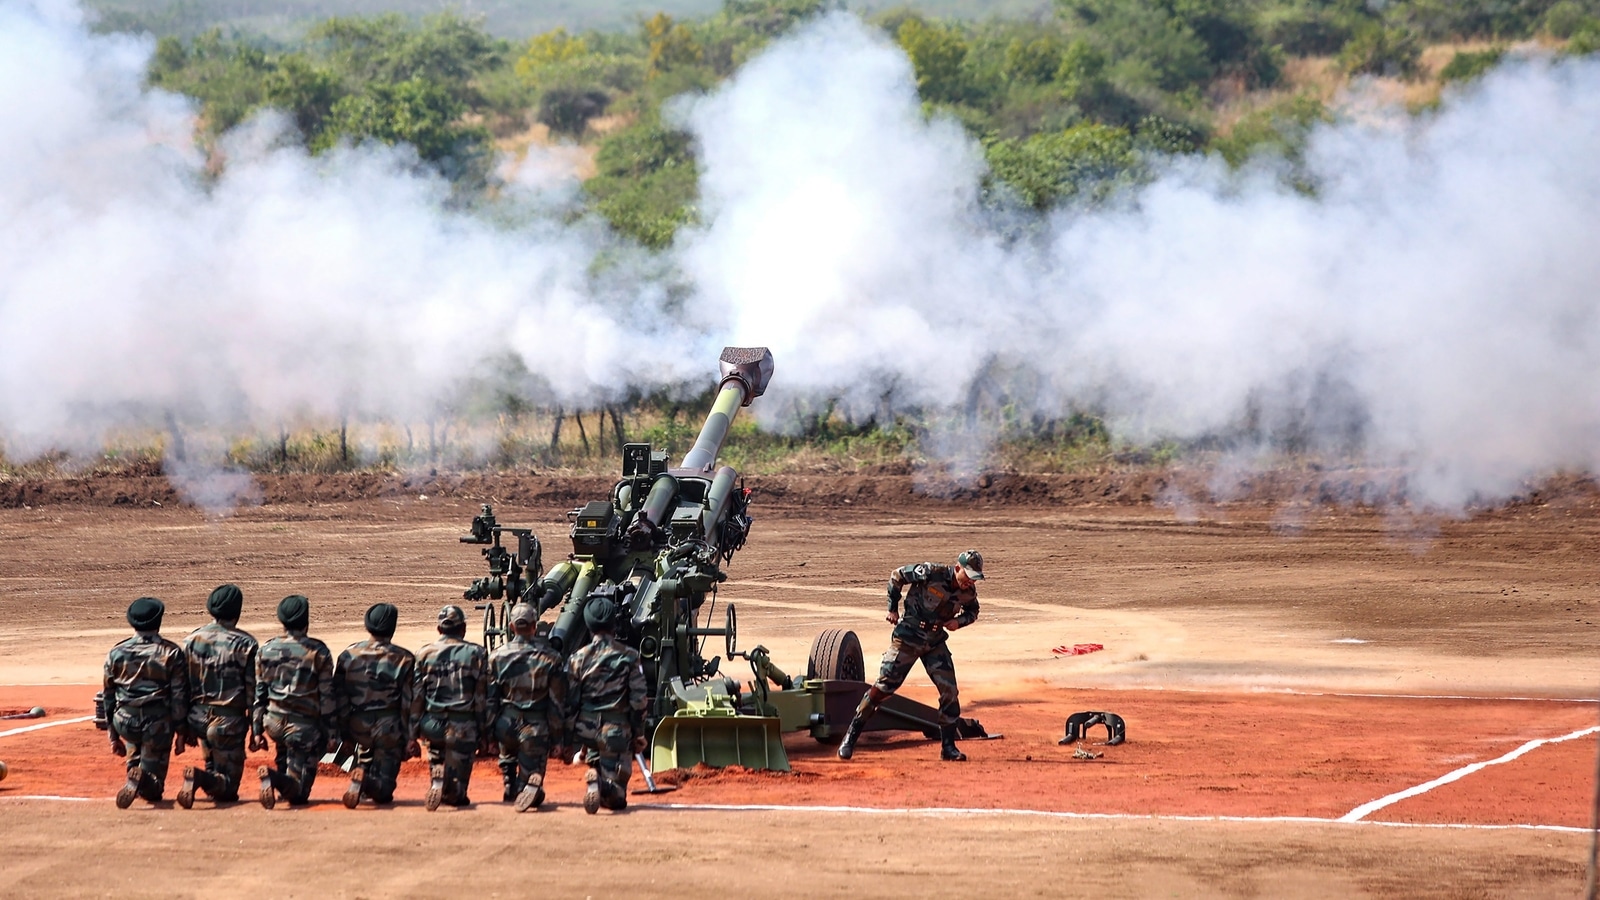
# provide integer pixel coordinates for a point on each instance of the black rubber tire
(836, 656)
(491, 635)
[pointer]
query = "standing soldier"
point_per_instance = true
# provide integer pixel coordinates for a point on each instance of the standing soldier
(606, 702)
(942, 599)
(373, 682)
(295, 705)
(527, 703)
(222, 685)
(147, 699)
(449, 707)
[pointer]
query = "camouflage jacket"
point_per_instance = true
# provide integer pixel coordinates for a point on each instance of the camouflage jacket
(452, 680)
(931, 600)
(527, 676)
(604, 677)
(146, 673)
(294, 676)
(375, 676)
(222, 667)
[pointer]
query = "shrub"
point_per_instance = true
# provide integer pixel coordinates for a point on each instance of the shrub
(1467, 65)
(1377, 50)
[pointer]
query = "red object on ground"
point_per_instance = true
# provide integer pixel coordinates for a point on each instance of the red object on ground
(1076, 649)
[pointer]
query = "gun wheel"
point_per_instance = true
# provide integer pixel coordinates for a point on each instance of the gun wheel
(836, 656)
(493, 632)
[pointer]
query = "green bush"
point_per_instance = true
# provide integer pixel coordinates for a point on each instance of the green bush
(937, 53)
(1585, 40)
(568, 110)
(1467, 65)
(1377, 50)
(1084, 162)
(415, 111)
(1281, 129)
(647, 183)
(1564, 19)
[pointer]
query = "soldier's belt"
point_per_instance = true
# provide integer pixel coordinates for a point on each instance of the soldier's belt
(220, 709)
(296, 718)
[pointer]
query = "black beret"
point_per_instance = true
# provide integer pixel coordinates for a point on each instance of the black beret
(382, 619)
(598, 613)
(294, 611)
(225, 602)
(144, 614)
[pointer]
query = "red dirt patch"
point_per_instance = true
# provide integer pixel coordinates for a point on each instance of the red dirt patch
(1187, 754)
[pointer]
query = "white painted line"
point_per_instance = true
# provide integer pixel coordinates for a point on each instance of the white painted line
(46, 725)
(48, 797)
(952, 812)
(1366, 809)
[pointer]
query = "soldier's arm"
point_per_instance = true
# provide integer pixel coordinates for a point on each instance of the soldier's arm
(574, 695)
(178, 689)
(557, 715)
(968, 613)
(492, 698)
(328, 698)
(341, 697)
(417, 693)
(897, 582)
(638, 697)
(480, 694)
(251, 660)
(408, 671)
(109, 696)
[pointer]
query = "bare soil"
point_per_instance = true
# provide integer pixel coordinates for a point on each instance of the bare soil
(1272, 658)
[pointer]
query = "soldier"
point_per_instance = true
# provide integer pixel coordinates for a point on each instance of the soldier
(373, 682)
(295, 705)
(146, 699)
(449, 706)
(606, 702)
(222, 685)
(942, 599)
(527, 703)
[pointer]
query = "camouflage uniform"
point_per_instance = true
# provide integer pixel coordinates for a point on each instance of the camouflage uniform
(449, 708)
(146, 699)
(222, 685)
(527, 704)
(606, 702)
(296, 706)
(932, 600)
(374, 681)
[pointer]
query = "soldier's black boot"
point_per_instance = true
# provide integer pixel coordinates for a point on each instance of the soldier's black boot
(268, 796)
(128, 791)
(529, 797)
(591, 794)
(352, 794)
(950, 752)
(512, 790)
(435, 789)
(847, 747)
(185, 796)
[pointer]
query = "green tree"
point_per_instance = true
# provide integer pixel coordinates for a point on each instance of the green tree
(937, 52)
(415, 111)
(1467, 65)
(647, 184)
(671, 45)
(1034, 61)
(1085, 162)
(1379, 50)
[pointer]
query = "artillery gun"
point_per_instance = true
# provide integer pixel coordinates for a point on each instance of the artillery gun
(510, 575)
(656, 548)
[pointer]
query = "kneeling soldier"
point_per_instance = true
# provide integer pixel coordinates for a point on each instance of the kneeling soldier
(527, 703)
(449, 705)
(373, 682)
(606, 700)
(147, 699)
(222, 685)
(942, 599)
(295, 705)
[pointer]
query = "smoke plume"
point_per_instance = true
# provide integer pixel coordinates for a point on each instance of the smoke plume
(1432, 307)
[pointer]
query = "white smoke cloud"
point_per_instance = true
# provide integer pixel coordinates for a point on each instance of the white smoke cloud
(1434, 306)
(1437, 300)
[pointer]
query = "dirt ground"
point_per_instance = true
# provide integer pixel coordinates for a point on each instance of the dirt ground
(1279, 663)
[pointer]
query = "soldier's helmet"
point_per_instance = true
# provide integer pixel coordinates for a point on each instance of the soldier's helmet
(523, 615)
(971, 562)
(452, 618)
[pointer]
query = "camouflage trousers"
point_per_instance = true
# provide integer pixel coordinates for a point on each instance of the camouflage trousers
(607, 740)
(525, 742)
(452, 743)
(300, 744)
(222, 733)
(147, 733)
(380, 747)
(936, 661)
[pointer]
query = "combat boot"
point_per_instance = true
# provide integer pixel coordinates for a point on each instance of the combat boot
(269, 797)
(950, 752)
(127, 792)
(352, 794)
(435, 789)
(185, 796)
(512, 791)
(847, 747)
(591, 794)
(529, 798)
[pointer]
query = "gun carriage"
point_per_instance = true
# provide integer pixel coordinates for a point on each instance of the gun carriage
(657, 547)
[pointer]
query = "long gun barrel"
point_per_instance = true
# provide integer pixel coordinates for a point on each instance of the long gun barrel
(745, 373)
